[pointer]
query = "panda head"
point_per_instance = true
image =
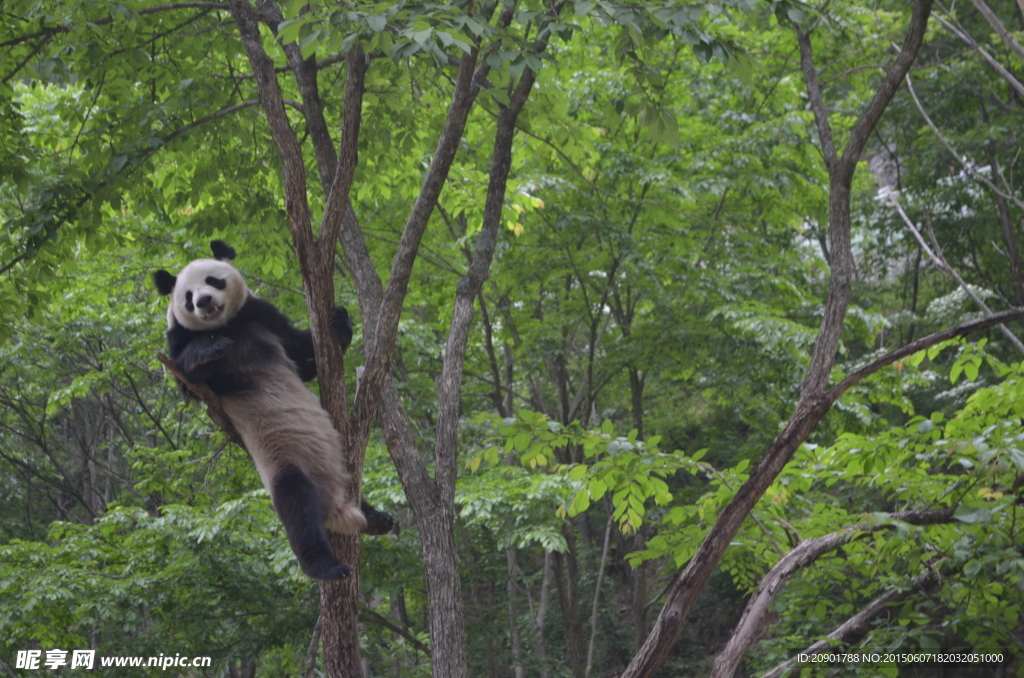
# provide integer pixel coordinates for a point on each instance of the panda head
(207, 293)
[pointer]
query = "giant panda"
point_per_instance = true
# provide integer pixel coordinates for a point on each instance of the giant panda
(248, 353)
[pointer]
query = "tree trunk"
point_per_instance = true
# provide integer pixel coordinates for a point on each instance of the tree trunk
(567, 583)
(542, 613)
(815, 400)
(517, 646)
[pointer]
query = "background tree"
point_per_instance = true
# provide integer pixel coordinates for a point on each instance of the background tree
(580, 239)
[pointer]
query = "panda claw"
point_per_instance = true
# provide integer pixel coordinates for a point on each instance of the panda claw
(325, 568)
(329, 573)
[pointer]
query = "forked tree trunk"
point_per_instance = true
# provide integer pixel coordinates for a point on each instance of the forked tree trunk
(431, 498)
(815, 399)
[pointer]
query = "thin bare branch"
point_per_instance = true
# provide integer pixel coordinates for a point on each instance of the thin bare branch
(943, 265)
(966, 38)
(964, 162)
(314, 647)
(21, 64)
(224, 112)
(597, 594)
(999, 28)
(371, 616)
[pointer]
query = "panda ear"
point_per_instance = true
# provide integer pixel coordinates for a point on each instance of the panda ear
(222, 251)
(164, 282)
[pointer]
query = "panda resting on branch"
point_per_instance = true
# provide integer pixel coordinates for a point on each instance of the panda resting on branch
(248, 353)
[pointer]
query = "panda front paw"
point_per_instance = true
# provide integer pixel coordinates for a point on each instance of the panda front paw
(342, 325)
(213, 349)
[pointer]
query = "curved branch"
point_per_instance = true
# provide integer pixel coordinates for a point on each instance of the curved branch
(925, 342)
(970, 42)
(213, 407)
(969, 166)
(857, 626)
(800, 557)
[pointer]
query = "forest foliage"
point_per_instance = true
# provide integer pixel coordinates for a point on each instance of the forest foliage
(659, 276)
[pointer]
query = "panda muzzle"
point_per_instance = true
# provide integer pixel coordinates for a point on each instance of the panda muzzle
(205, 303)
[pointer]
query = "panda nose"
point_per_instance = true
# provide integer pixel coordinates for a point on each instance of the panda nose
(204, 301)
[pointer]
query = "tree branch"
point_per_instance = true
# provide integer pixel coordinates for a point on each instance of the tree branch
(597, 594)
(873, 112)
(216, 115)
(941, 263)
(449, 385)
(801, 556)
(857, 626)
(967, 165)
(828, 147)
(913, 347)
(378, 360)
(314, 647)
(373, 617)
(202, 392)
(999, 28)
(35, 50)
(970, 42)
(305, 71)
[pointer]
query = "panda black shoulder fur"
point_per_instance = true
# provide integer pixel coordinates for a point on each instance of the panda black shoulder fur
(248, 353)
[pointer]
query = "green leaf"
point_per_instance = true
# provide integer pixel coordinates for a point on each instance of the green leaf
(584, 7)
(971, 370)
(582, 502)
(972, 515)
(288, 31)
(522, 441)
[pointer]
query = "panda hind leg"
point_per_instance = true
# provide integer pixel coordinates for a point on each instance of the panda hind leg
(345, 518)
(377, 522)
(301, 509)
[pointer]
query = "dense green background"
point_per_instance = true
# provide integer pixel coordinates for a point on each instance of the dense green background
(643, 334)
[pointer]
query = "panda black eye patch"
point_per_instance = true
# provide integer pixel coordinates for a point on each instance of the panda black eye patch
(188, 302)
(219, 283)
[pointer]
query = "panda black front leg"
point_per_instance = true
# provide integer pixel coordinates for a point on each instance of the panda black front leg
(202, 350)
(302, 510)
